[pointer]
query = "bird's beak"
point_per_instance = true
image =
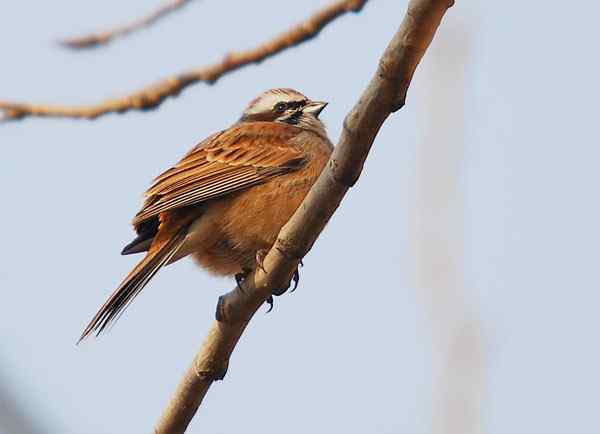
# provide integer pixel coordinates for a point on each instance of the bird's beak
(315, 108)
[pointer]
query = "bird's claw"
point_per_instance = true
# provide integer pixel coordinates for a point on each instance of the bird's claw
(278, 292)
(239, 278)
(295, 279)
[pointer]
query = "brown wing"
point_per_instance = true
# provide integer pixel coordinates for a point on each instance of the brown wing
(240, 157)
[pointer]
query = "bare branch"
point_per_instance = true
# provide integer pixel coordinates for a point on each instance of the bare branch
(103, 38)
(152, 96)
(385, 94)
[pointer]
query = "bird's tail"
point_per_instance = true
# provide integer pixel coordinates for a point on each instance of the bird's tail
(158, 256)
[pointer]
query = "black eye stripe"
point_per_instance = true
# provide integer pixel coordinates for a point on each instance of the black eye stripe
(298, 104)
(282, 106)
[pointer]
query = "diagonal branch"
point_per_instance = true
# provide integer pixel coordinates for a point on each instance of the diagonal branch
(385, 94)
(152, 96)
(103, 38)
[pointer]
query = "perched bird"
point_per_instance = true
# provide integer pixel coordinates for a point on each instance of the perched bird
(226, 200)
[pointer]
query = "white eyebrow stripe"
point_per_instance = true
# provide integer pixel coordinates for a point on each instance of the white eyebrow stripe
(264, 103)
(267, 100)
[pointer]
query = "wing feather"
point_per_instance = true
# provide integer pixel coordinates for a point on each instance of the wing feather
(247, 154)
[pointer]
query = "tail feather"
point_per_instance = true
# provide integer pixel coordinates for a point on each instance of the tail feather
(134, 283)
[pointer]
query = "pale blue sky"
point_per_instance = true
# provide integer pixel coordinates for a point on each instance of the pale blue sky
(467, 301)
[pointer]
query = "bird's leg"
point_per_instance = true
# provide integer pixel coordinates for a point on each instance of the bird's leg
(260, 257)
(240, 277)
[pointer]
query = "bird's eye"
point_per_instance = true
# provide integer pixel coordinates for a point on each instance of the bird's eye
(280, 107)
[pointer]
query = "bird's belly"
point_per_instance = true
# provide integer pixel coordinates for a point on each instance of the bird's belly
(210, 246)
(256, 216)
(225, 239)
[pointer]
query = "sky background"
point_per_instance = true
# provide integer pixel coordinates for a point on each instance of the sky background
(454, 291)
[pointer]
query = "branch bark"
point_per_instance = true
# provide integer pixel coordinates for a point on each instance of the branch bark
(385, 94)
(152, 96)
(103, 38)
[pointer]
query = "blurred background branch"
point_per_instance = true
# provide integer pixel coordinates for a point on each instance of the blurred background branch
(106, 36)
(437, 246)
(152, 96)
(14, 419)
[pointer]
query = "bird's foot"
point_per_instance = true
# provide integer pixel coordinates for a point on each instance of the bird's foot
(278, 292)
(295, 280)
(260, 257)
(240, 277)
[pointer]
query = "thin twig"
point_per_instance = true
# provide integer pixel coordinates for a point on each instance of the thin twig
(385, 94)
(151, 96)
(103, 38)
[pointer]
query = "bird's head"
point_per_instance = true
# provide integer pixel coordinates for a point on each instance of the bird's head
(286, 106)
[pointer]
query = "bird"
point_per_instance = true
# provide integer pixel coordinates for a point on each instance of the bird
(226, 200)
